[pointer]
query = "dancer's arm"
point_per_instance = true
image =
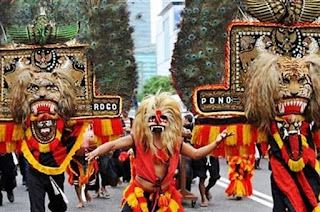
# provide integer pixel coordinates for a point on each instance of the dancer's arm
(190, 151)
(121, 143)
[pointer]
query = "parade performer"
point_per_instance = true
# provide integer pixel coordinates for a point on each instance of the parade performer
(56, 82)
(240, 176)
(292, 88)
(157, 143)
(268, 91)
(81, 172)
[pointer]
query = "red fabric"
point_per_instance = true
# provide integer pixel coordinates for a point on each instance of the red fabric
(117, 126)
(123, 156)
(294, 144)
(145, 160)
(9, 132)
(264, 148)
(287, 185)
(307, 190)
(97, 126)
(316, 138)
(59, 153)
(3, 147)
(205, 135)
(9, 128)
(240, 134)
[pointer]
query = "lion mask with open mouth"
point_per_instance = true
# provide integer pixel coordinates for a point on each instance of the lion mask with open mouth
(280, 85)
(43, 98)
(158, 114)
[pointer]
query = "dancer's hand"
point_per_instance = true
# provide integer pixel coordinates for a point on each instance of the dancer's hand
(91, 155)
(224, 134)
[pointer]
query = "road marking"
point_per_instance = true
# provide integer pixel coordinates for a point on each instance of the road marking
(267, 201)
(256, 193)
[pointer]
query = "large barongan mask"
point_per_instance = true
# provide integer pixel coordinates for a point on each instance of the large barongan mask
(295, 86)
(42, 98)
(281, 86)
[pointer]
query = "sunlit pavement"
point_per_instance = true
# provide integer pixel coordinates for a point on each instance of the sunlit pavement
(261, 202)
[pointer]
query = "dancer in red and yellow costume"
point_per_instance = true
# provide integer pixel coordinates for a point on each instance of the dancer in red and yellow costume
(240, 175)
(157, 143)
(81, 172)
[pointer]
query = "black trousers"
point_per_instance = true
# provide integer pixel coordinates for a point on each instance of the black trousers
(7, 173)
(39, 184)
(200, 168)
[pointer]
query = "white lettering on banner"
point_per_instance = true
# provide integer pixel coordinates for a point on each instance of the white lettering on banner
(105, 106)
(217, 100)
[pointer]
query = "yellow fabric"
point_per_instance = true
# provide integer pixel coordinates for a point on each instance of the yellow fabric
(304, 141)
(138, 191)
(195, 133)
(317, 167)
(132, 200)
(262, 137)
(232, 140)
(28, 132)
(44, 148)
(53, 170)
(18, 132)
(296, 166)
(106, 127)
(278, 140)
(144, 207)
(2, 132)
(214, 132)
(246, 131)
(240, 190)
(173, 205)
(242, 150)
(11, 146)
(316, 209)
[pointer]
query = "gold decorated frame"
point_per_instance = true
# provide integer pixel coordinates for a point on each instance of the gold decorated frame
(89, 103)
(227, 98)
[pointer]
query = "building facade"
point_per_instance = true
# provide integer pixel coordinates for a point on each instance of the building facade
(145, 50)
(168, 25)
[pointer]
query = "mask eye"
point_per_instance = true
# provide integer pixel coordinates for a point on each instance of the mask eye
(164, 117)
(286, 81)
(49, 123)
(152, 119)
(301, 80)
(33, 87)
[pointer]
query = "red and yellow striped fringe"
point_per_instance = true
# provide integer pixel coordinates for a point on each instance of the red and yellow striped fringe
(241, 143)
(11, 136)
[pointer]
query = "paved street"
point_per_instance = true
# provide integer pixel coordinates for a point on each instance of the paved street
(261, 200)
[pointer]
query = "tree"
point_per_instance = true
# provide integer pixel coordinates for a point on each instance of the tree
(156, 83)
(199, 54)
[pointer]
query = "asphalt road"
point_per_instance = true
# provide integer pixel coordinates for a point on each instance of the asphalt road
(261, 200)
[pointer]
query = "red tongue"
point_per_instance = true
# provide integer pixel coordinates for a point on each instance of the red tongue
(43, 109)
(294, 144)
(292, 109)
(45, 133)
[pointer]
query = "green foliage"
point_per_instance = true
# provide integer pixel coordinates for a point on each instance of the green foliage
(104, 25)
(199, 54)
(155, 84)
